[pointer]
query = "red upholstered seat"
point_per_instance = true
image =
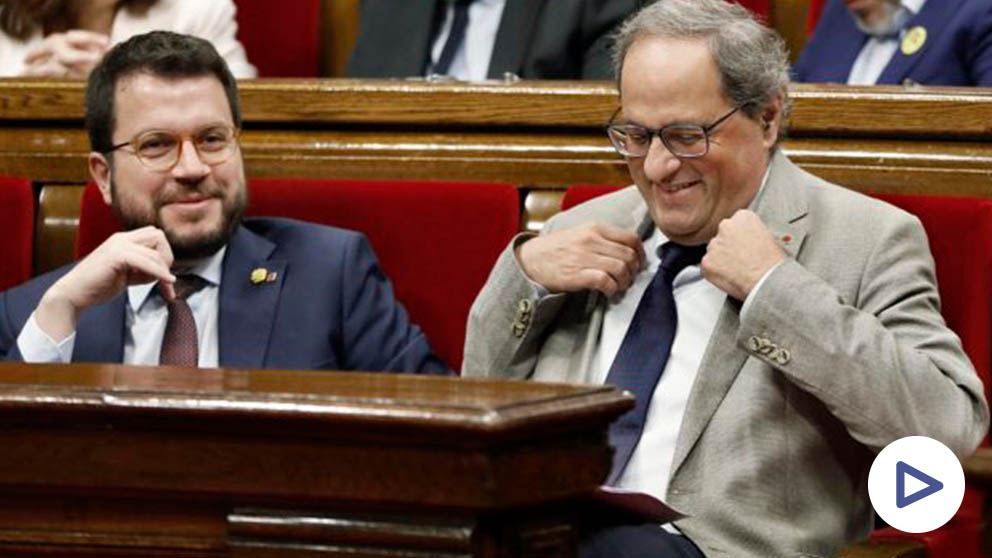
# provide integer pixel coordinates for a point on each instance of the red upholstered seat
(282, 39)
(17, 242)
(960, 235)
(436, 241)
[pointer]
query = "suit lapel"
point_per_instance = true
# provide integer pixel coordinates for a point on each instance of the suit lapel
(514, 36)
(247, 308)
(100, 333)
(782, 207)
(933, 18)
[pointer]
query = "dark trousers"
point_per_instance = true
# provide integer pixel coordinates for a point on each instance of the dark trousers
(644, 540)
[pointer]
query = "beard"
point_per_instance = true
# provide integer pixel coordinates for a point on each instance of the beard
(885, 24)
(184, 247)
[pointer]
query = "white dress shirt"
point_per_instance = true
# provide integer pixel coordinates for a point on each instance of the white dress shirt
(146, 315)
(877, 52)
(471, 61)
(698, 304)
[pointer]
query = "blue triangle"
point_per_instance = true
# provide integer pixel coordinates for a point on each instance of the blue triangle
(903, 469)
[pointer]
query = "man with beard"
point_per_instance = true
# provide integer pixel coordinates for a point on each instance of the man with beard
(866, 42)
(188, 283)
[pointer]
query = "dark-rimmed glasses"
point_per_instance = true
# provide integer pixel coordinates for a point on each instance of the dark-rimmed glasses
(159, 150)
(685, 141)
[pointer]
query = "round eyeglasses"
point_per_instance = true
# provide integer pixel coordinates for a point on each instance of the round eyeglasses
(685, 141)
(159, 151)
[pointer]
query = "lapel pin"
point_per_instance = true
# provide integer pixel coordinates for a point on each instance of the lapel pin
(913, 41)
(259, 275)
(271, 277)
(786, 238)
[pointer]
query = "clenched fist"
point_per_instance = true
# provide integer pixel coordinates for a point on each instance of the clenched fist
(740, 254)
(595, 256)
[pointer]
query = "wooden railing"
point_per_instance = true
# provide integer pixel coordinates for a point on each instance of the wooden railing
(112, 460)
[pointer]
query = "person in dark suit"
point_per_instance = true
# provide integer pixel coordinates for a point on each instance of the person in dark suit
(535, 39)
(927, 42)
(188, 283)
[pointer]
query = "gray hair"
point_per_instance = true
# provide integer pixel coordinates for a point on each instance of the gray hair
(752, 59)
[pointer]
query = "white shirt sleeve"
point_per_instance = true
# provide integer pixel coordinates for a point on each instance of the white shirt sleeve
(36, 346)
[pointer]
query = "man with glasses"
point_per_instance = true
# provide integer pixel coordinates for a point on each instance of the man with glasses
(188, 282)
(776, 330)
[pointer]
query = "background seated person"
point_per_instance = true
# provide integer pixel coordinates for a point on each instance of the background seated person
(777, 330)
(66, 38)
(928, 42)
(188, 283)
(476, 39)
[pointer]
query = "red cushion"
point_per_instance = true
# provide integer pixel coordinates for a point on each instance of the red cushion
(282, 39)
(17, 241)
(436, 241)
(813, 14)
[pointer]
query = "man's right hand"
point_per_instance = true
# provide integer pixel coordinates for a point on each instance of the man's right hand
(128, 258)
(596, 256)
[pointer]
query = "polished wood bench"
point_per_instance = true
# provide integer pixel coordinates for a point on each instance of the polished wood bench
(111, 460)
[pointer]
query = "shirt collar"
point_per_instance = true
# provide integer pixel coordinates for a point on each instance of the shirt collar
(913, 6)
(208, 268)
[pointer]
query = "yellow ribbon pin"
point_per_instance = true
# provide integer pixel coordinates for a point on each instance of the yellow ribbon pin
(913, 40)
(258, 275)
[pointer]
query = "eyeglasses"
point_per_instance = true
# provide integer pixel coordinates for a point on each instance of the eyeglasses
(685, 141)
(159, 151)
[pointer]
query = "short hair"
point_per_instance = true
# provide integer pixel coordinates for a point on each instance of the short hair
(752, 59)
(159, 53)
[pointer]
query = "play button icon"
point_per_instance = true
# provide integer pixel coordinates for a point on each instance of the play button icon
(903, 469)
(896, 488)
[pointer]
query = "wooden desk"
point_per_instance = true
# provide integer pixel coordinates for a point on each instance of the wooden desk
(113, 460)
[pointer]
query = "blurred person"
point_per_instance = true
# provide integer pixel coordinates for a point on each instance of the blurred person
(189, 282)
(66, 38)
(926, 42)
(478, 39)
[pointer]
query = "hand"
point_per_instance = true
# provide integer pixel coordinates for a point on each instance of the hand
(596, 256)
(740, 254)
(128, 258)
(71, 54)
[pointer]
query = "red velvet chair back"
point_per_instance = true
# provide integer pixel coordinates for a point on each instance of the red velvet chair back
(17, 242)
(436, 241)
(282, 39)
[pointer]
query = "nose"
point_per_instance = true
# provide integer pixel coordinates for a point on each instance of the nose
(189, 166)
(659, 163)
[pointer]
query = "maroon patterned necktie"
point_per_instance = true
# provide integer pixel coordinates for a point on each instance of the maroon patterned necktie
(179, 345)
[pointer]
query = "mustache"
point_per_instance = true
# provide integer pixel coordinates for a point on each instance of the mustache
(173, 195)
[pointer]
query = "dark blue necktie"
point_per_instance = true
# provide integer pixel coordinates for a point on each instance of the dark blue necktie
(645, 349)
(455, 37)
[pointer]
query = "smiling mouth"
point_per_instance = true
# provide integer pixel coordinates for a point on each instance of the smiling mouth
(672, 188)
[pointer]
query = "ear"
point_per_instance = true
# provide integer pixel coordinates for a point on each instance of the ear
(771, 121)
(101, 173)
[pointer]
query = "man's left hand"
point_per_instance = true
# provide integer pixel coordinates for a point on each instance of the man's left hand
(740, 254)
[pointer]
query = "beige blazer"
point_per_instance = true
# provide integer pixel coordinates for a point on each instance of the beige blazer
(843, 351)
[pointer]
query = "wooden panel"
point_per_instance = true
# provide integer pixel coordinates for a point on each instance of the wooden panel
(131, 461)
(56, 226)
(788, 17)
(339, 32)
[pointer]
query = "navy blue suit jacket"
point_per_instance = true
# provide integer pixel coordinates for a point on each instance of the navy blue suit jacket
(536, 39)
(957, 51)
(330, 307)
